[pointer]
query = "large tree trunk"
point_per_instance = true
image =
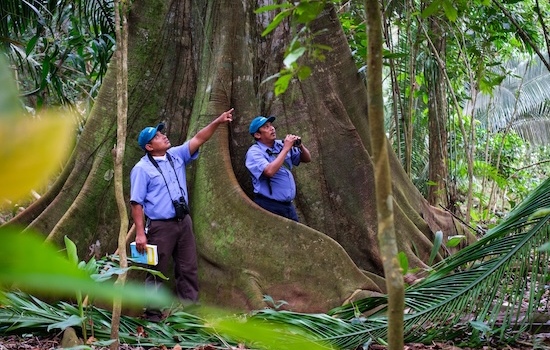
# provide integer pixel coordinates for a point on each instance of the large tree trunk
(437, 119)
(188, 62)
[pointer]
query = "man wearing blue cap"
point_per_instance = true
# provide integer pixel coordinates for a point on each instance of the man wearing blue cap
(270, 162)
(159, 205)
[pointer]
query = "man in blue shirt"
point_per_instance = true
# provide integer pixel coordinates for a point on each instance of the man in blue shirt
(270, 162)
(159, 205)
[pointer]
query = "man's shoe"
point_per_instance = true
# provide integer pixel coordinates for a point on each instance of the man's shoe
(153, 315)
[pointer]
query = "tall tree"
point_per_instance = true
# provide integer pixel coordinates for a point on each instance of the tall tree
(121, 9)
(382, 179)
(437, 115)
(187, 62)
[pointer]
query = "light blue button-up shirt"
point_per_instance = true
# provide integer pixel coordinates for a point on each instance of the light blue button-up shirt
(148, 186)
(281, 186)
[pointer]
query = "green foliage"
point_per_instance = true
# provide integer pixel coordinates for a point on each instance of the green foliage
(300, 15)
(446, 5)
(276, 305)
(476, 282)
(60, 49)
(403, 262)
(263, 334)
(438, 240)
(30, 264)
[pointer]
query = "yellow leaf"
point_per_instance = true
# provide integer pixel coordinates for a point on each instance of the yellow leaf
(32, 151)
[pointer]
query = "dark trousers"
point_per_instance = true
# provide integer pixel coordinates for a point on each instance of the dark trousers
(175, 240)
(285, 209)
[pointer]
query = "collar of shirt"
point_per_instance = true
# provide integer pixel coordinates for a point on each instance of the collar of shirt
(162, 158)
(276, 149)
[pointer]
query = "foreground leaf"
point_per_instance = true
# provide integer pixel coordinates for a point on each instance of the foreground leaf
(28, 263)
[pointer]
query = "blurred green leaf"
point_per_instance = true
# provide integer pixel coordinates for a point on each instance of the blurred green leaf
(265, 335)
(403, 262)
(28, 263)
(9, 101)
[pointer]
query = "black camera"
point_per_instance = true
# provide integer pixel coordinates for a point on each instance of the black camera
(181, 208)
(297, 142)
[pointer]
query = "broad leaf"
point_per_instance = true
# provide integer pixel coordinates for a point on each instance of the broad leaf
(36, 150)
(28, 263)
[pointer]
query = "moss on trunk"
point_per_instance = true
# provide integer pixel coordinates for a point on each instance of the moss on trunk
(188, 62)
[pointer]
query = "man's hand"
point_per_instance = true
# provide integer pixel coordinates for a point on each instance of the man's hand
(139, 221)
(141, 243)
(289, 141)
(206, 133)
(225, 117)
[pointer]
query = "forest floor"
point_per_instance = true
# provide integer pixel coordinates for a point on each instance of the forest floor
(525, 342)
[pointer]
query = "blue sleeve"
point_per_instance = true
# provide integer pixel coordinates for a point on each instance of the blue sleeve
(138, 185)
(295, 155)
(256, 161)
(182, 151)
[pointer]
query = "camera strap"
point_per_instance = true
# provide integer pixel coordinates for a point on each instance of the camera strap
(154, 162)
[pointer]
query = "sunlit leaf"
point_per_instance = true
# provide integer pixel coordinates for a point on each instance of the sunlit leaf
(278, 19)
(540, 213)
(34, 150)
(70, 322)
(71, 250)
(282, 83)
(453, 241)
(294, 56)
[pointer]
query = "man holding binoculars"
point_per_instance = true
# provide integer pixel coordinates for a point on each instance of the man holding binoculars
(270, 162)
(158, 200)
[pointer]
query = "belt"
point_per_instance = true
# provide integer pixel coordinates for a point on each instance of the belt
(167, 220)
(261, 196)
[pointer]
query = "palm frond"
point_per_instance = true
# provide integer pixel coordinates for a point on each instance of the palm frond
(520, 101)
(27, 314)
(472, 285)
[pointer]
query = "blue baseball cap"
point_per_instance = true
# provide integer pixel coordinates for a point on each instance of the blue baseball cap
(148, 133)
(258, 122)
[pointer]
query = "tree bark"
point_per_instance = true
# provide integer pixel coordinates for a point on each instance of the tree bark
(121, 9)
(382, 179)
(437, 121)
(188, 61)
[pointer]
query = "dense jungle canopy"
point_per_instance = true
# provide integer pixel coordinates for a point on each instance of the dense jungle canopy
(189, 61)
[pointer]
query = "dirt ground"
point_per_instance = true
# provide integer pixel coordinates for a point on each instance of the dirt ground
(538, 341)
